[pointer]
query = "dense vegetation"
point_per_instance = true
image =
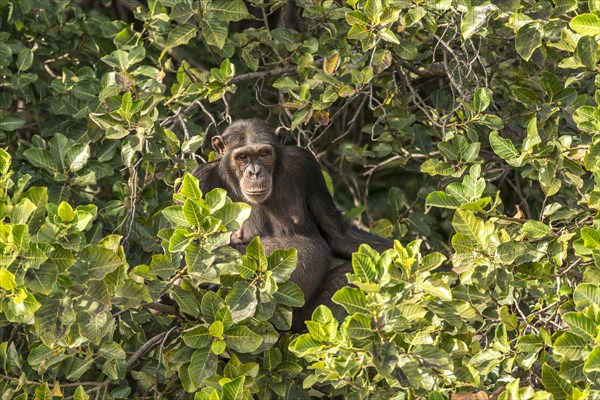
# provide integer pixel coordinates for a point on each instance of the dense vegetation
(467, 130)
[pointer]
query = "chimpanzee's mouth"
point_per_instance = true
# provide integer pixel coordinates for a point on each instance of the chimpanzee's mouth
(258, 192)
(257, 196)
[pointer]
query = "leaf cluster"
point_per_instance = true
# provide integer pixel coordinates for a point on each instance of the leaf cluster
(467, 131)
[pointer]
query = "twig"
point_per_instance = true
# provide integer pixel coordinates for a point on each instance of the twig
(524, 317)
(570, 267)
(146, 347)
(162, 345)
(371, 170)
(261, 74)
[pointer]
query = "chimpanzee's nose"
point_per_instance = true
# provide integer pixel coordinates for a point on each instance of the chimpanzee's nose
(254, 171)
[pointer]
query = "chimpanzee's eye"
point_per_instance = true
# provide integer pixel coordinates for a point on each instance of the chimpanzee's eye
(242, 157)
(264, 153)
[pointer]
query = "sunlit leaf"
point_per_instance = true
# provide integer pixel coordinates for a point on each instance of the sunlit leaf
(555, 384)
(242, 339)
(586, 24)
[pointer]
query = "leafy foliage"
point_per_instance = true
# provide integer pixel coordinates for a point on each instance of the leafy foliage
(468, 131)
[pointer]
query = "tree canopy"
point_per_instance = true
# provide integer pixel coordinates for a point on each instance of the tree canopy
(466, 130)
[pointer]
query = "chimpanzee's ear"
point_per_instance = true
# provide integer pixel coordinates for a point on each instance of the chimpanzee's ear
(280, 134)
(218, 144)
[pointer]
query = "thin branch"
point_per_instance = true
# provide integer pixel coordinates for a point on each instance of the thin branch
(262, 74)
(146, 347)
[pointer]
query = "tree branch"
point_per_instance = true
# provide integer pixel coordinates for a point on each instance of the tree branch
(147, 346)
(263, 74)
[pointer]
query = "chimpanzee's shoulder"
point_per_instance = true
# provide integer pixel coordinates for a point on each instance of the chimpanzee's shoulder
(299, 154)
(208, 175)
(300, 163)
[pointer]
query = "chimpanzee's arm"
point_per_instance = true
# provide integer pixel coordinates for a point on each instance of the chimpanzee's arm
(343, 237)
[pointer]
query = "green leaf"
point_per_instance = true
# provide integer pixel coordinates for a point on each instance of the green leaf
(233, 215)
(305, 344)
(373, 10)
(65, 212)
(180, 239)
(7, 280)
(181, 35)
(11, 123)
(53, 319)
(412, 312)
(536, 229)
(228, 10)
(586, 24)
(285, 84)
(592, 364)
(359, 326)
(272, 358)
(434, 166)
(555, 384)
(43, 392)
(530, 343)
(433, 355)
(234, 390)
(352, 299)
(581, 325)
(485, 357)
(527, 39)
(570, 346)
(282, 263)
(441, 200)
(190, 187)
(466, 223)
(242, 300)
(591, 238)
(475, 19)
(112, 351)
(216, 329)
(211, 304)
(118, 59)
(586, 51)
(41, 158)
(24, 59)
(300, 117)
(289, 294)
(5, 161)
(356, 17)
(481, 100)
(197, 338)
(80, 394)
(585, 295)
(437, 289)
(203, 364)
(214, 32)
(175, 216)
(242, 339)
(215, 199)
(503, 147)
(364, 266)
(94, 326)
(130, 294)
(510, 251)
(387, 35)
(193, 212)
(191, 145)
(256, 252)
(94, 262)
(287, 37)
(77, 156)
(431, 261)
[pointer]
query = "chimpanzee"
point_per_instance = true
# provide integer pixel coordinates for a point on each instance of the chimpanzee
(291, 207)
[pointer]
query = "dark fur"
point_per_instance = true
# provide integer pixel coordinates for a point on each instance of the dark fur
(299, 213)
